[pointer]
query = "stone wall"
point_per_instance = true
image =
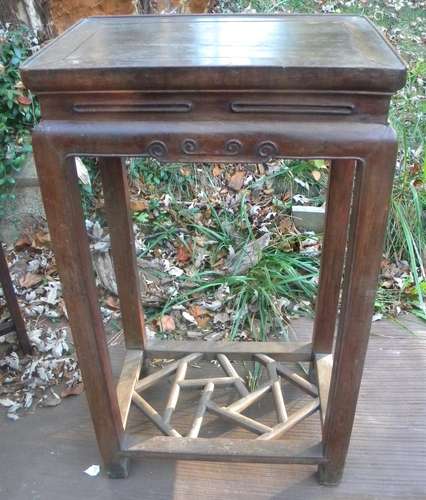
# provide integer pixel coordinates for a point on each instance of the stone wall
(25, 212)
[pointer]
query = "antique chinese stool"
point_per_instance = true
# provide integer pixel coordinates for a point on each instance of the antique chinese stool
(223, 89)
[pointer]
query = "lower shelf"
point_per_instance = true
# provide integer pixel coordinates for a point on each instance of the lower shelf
(225, 418)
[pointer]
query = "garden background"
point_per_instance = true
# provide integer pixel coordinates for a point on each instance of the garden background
(222, 249)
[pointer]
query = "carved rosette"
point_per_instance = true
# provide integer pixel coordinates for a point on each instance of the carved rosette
(157, 149)
(233, 147)
(189, 146)
(267, 149)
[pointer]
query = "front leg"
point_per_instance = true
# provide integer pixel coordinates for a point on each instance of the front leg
(373, 187)
(61, 197)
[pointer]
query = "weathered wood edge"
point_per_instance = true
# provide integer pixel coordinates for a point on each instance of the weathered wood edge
(281, 351)
(152, 414)
(168, 369)
(130, 371)
(218, 450)
(238, 419)
(323, 370)
(296, 417)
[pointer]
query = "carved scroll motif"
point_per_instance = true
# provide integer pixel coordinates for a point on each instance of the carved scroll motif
(267, 149)
(157, 149)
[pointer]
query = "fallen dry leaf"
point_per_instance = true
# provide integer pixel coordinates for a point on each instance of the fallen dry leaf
(30, 279)
(286, 226)
(182, 254)
(197, 311)
(415, 168)
(112, 302)
(217, 170)
(189, 317)
(248, 256)
(200, 315)
(167, 323)
(23, 242)
(221, 317)
(41, 239)
(185, 171)
(138, 205)
(418, 184)
(74, 390)
(203, 321)
(237, 180)
(51, 401)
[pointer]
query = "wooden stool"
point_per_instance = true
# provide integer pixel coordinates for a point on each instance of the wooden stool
(229, 89)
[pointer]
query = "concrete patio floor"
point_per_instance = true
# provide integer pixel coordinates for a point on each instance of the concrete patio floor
(43, 456)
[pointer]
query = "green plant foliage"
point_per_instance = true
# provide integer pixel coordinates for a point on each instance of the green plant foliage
(172, 178)
(18, 109)
(255, 296)
(402, 23)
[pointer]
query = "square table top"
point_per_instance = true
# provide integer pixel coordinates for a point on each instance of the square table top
(217, 52)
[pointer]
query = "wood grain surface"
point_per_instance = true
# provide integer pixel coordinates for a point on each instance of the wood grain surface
(222, 51)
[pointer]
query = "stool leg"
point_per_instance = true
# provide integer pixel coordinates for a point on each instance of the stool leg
(338, 207)
(373, 186)
(116, 196)
(61, 197)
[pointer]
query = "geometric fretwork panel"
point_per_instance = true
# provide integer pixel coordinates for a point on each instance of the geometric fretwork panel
(239, 397)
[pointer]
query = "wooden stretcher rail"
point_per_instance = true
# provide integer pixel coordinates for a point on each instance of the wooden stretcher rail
(217, 450)
(281, 351)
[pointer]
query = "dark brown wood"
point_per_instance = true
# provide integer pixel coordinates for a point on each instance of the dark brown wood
(59, 187)
(338, 207)
(368, 223)
(116, 195)
(17, 321)
(222, 52)
(229, 89)
(253, 140)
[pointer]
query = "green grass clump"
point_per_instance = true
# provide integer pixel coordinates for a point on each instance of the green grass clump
(255, 296)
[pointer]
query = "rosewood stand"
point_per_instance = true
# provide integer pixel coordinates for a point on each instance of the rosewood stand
(229, 89)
